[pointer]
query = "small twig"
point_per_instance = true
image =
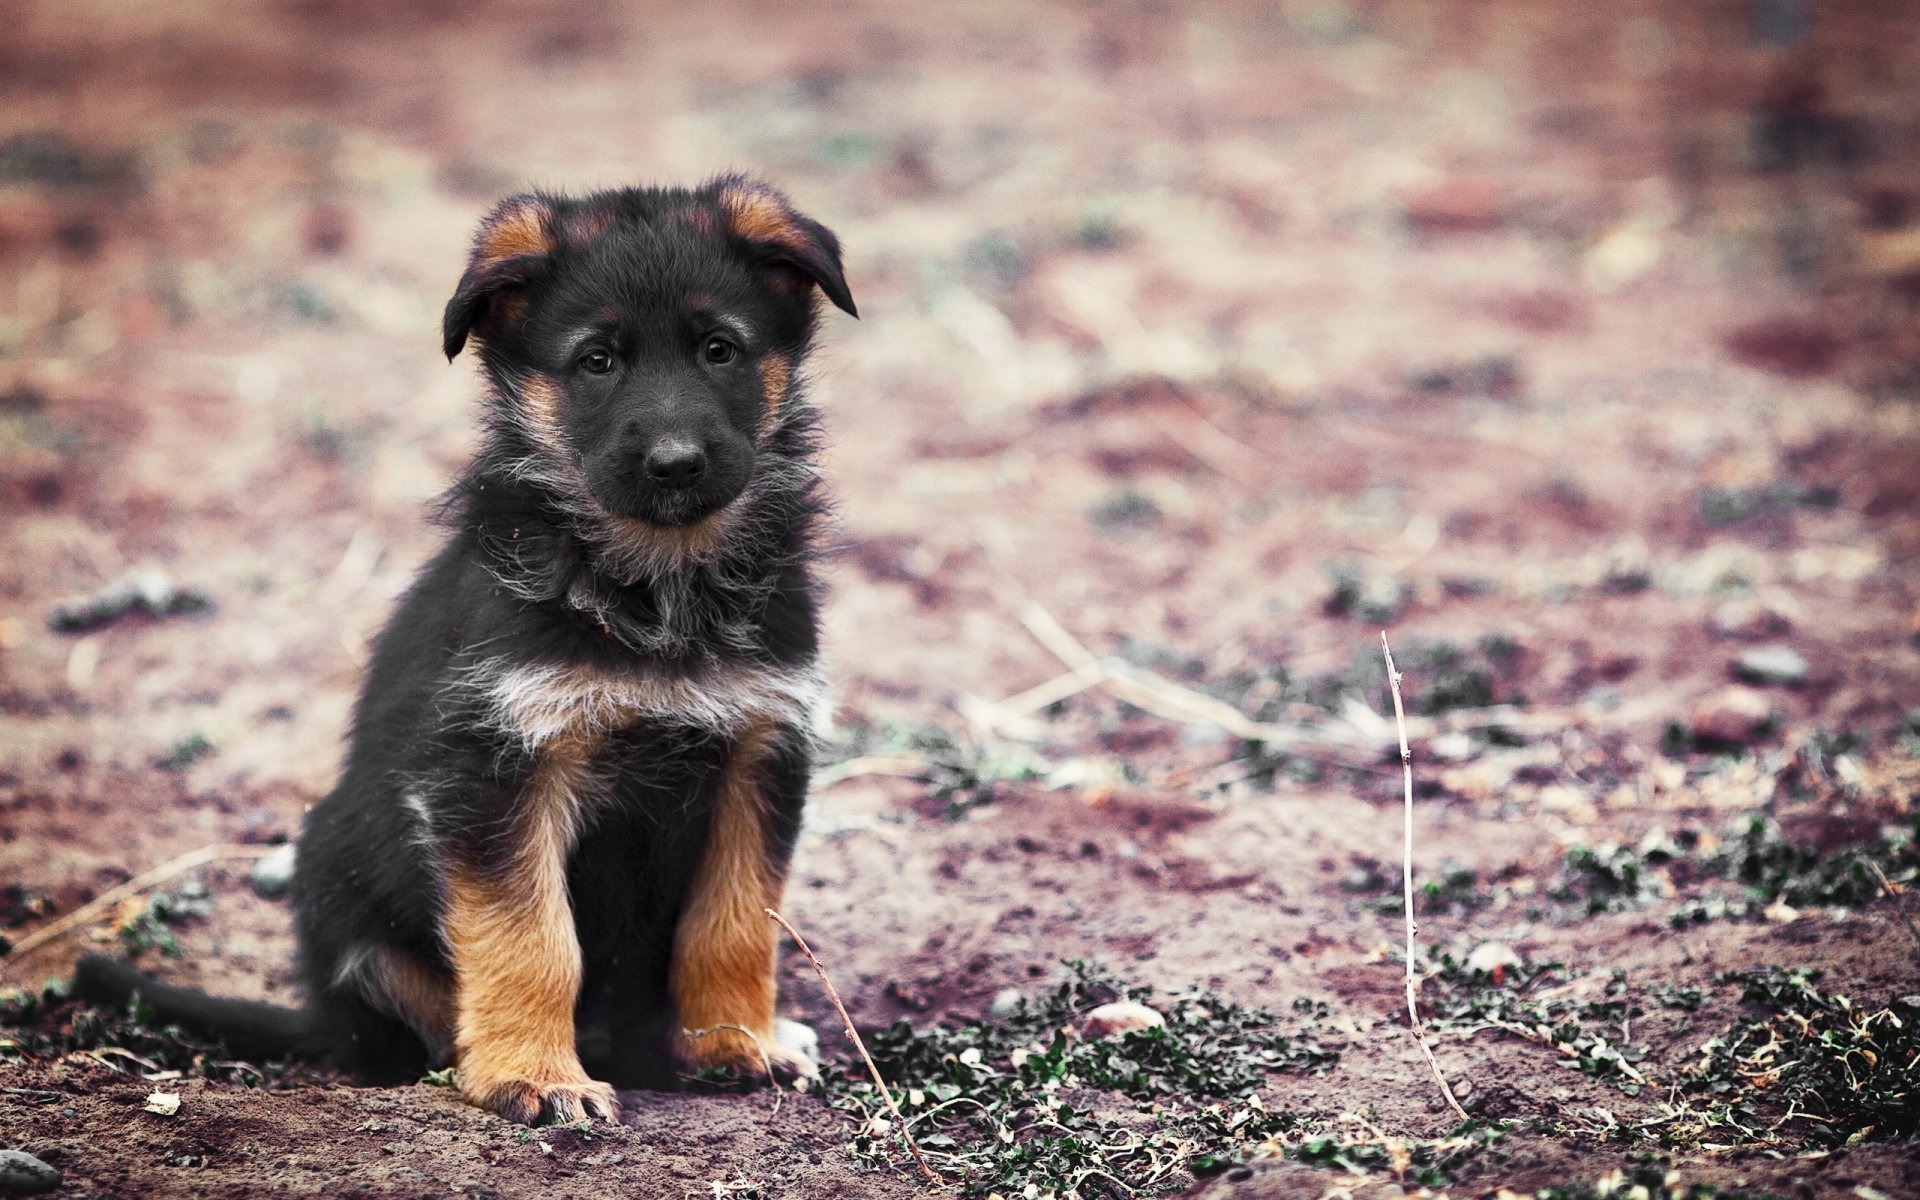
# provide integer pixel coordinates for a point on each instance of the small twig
(1406, 879)
(1037, 697)
(1529, 1034)
(1354, 740)
(55, 930)
(1234, 770)
(1089, 1173)
(1898, 907)
(905, 766)
(1208, 445)
(765, 1062)
(1165, 698)
(98, 1055)
(906, 1134)
(1054, 636)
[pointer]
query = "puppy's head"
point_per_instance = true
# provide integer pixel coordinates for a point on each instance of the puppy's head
(645, 341)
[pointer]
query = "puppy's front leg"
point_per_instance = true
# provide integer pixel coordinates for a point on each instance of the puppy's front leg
(516, 961)
(723, 950)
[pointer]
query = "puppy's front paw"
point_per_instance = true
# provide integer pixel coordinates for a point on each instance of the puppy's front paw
(725, 1049)
(526, 1102)
(799, 1038)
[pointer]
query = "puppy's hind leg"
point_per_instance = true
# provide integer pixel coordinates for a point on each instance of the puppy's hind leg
(374, 987)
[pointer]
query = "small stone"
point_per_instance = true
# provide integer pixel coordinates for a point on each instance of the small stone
(21, 1174)
(1775, 663)
(1122, 1016)
(1006, 1002)
(1732, 716)
(272, 873)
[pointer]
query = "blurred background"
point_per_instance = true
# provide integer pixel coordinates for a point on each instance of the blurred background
(1180, 318)
(1223, 332)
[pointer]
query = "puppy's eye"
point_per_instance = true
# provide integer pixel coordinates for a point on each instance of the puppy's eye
(719, 350)
(597, 362)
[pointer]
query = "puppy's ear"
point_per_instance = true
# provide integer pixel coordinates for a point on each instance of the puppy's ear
(509, 251)
(760, 216)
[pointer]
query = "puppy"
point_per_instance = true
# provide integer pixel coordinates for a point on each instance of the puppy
(579, 758)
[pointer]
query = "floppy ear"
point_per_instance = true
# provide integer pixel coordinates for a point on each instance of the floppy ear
(761, 216)
(509, 250)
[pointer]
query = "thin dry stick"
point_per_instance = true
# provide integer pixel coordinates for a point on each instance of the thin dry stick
(1200, 438)
(1406, 879)
(55, 930)
(904, 766)
(1897, 905)
(765, 1062)
(906, 1134)
(1165, 698)
(1037, 697)
(1354, 745)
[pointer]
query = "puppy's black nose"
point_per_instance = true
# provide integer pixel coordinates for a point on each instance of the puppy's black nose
(674, 463)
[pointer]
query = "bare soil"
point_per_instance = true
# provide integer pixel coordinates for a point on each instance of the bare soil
(1592, 327)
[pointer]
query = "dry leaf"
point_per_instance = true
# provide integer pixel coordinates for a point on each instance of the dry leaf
(164, 1103)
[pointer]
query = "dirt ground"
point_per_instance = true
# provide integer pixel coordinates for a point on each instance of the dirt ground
(1584, 339)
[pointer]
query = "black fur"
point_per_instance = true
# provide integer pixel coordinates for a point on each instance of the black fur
(551, 562)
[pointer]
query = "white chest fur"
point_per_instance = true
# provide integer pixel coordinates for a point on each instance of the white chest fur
(534, 704)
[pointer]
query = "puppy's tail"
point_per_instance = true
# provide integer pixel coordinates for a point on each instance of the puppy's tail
(250, 1028)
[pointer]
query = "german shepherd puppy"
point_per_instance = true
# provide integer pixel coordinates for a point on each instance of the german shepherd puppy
(579, 758)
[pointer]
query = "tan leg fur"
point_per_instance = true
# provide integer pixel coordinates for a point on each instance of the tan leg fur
(723, 952)
(517, 963)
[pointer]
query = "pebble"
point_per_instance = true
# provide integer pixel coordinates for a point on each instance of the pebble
(1775, 663)
(21, 1174)
(1006, 1002)
(273, 872)
(1732, 716)
(1122, 1016)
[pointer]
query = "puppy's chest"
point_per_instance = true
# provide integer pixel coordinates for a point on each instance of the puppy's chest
(535, 707)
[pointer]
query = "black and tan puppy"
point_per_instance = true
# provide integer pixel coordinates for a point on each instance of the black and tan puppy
(579, 758)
